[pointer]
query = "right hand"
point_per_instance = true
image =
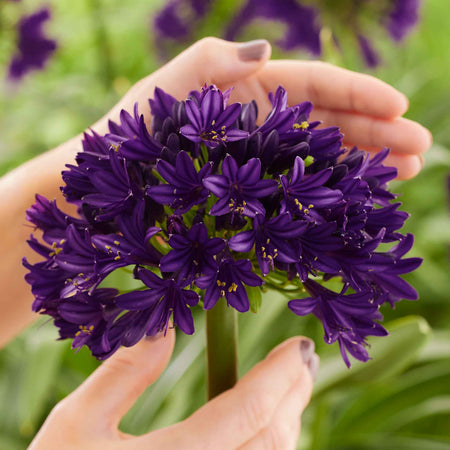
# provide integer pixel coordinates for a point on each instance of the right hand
(261, 412)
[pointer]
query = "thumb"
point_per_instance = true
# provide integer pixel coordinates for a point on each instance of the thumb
(210, 61)
(116, 385)
(215, 61)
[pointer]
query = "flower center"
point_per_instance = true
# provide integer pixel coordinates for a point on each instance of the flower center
(84, 330)
(215, 134)
(226, 287)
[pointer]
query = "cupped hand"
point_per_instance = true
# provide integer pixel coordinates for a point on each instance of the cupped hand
(262, 411)
(367, 110)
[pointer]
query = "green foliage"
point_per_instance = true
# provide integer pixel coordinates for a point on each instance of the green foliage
(399, 400)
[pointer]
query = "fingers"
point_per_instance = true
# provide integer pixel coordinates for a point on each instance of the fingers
(408, 166)
(284, 428)
(210, 61)
(331, 87)
(401, 135)
(113, 388)
(237, 415)
(215, 61)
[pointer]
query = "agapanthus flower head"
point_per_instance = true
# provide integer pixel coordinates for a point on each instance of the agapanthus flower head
(196, 220)
(33, 47)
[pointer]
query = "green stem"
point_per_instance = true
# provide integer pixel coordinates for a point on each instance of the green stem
(221, 345)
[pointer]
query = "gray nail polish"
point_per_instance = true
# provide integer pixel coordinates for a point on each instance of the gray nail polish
(306, 349)
(313, 365)
(252, 50)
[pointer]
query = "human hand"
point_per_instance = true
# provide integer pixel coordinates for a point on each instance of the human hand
(262, 411)
(367, 109)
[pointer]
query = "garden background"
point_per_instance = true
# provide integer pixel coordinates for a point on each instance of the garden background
(400, 400)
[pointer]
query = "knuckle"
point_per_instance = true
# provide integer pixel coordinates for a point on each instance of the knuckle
(208, 42)
(122, 361)
(257, 408)
(207, 47)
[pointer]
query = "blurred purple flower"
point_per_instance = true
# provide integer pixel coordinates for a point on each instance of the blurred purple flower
(302, 25)
(33, 47)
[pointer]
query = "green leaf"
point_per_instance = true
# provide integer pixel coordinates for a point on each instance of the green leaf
(390, 355)
(389, 441)
(380, 406)
(254, 297)
(39, 372)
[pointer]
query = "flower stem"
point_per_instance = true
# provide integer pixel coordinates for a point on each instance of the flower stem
(221, 344)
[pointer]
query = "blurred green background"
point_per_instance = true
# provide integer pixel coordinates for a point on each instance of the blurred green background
(400, 400)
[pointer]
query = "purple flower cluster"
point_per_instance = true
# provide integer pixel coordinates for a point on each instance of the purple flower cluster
(33, 47)
(210, 202)
(302, 20)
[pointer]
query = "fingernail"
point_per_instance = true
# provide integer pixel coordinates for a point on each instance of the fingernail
(252, 50)
(306, 349)
(313, 365)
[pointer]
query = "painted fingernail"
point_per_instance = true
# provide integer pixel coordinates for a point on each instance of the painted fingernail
(252, 50)
(306, 349)
(313, 365)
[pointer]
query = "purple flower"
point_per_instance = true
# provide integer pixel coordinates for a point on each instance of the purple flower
(303, 193)
(85, 318)
(369, 54)
(211, 121)
(302, 27)
(381, 273)
(184, 188)
(46, 216)
(168, 24)
(238, 188)
(145, 202)
(178, 17)
(132, 245)
(403, 16)
(114, 191)
(159, 302)
(348, 319)
(227, 282)
(193, 253)
(316, 250)
(46, 279)
(273, 240)
(34, 49)
(132, 138)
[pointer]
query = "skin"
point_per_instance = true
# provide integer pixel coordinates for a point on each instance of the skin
(261, 412)
(369, 113)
